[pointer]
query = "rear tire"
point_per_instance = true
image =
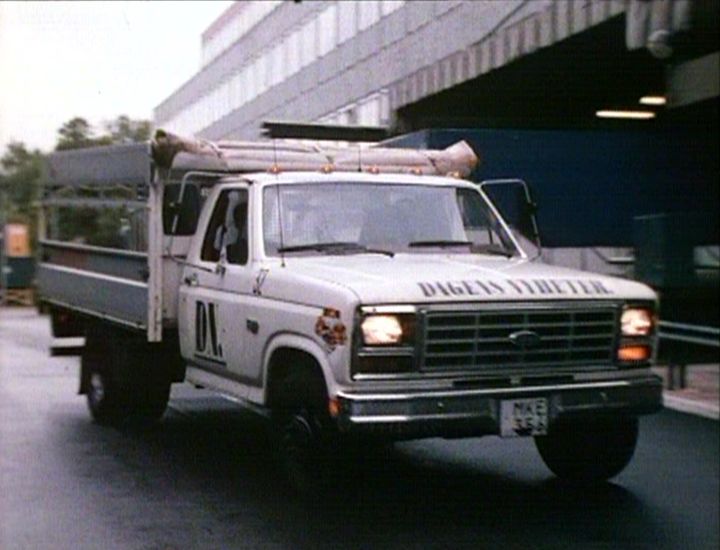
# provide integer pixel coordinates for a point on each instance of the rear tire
(104, 400)
(122, 381)
(589, 451)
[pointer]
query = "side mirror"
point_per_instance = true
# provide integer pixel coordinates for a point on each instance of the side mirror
(180, 214)
(514, 201)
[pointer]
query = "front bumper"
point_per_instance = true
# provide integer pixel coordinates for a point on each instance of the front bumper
(468, 412)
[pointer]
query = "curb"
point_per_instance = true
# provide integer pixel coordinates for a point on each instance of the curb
(691, 406)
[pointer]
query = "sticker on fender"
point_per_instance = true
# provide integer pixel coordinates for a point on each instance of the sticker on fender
(523, 417)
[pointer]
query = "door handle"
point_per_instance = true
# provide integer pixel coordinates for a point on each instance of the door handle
(191, 280)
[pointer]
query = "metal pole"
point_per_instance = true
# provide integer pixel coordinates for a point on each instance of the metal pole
(3, 248)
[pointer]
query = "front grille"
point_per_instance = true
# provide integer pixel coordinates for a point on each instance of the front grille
(480, 339)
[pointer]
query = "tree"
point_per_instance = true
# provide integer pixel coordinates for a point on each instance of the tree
(20, 185)
(102, 227)
(20, 180)
(125, 130)
(76, 133)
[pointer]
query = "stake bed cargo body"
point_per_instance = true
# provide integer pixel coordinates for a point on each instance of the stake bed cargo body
(358, 295)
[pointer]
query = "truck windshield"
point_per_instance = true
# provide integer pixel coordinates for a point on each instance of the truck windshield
(335, 218)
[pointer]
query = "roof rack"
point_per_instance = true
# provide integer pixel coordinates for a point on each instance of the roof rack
(179, 154)
(333, 132)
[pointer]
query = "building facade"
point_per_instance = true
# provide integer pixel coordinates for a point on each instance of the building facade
(359, 63)
(408, 64)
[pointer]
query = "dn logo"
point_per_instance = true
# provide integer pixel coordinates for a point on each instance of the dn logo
(206, 333)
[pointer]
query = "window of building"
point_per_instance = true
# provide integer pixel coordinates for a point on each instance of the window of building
(261, 73)
(251, 81)
(327, 30)
(347, 21)
(293, 52)
(227, 97)
(368, 13)
(201, 112)
(235, 91)
(214, 105)
(276, 65)
(245, 82)
(389, 6)
(384, 107)
(368, 112)
(309, 43)
(236, 28)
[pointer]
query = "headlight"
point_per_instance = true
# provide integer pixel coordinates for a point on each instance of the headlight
(379, 330)
(636, 322)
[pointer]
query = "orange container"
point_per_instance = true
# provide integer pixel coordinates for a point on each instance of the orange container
(17, 240)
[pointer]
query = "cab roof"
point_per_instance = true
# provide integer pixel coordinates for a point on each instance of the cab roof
(264, 178)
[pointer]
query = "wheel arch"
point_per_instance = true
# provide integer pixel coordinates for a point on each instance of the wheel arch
(292, 351)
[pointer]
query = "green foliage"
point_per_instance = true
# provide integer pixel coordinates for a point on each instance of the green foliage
(77, 133)
(22, 173)
(20, 185)
(125, 130)
(98, 227)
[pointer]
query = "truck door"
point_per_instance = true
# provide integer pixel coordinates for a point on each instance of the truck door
(215, 291)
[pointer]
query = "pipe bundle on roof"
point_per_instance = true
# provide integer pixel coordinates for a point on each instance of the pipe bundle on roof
(181, 154)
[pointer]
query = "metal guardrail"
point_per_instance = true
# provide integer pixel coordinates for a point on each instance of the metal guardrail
(698, 335)
(692, 334)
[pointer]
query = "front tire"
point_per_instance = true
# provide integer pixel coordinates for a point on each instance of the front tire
(589, 451)
(304, 433)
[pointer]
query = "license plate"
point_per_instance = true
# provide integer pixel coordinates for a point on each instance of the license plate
(523, 417)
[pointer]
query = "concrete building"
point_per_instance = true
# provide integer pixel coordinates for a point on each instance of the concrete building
(411, 65)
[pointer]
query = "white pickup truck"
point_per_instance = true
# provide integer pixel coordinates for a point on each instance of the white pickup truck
(347, 298)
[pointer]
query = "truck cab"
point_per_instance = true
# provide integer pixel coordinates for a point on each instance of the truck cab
(410, 309)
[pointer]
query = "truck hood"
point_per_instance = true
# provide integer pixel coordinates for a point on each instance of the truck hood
(424, 278)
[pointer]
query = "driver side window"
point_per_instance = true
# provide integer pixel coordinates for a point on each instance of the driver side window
(227, 233)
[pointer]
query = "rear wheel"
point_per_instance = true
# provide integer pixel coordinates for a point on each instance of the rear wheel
(104, 399)
(589, 451)
(121, 380)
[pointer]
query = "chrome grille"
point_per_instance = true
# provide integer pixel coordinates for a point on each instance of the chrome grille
(480, 339)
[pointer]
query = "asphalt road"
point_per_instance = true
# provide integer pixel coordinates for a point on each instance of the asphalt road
(205, 478)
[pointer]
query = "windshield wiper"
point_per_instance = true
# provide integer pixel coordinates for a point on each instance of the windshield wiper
(438, 243)
(493, 249)
(482, 249)
(335, 247)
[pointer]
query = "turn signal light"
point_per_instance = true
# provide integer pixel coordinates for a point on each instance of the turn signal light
(634, 353)
(334, 407)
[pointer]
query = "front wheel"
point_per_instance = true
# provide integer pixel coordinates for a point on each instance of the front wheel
(301, 450)
(589, 451)
(304, 434)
